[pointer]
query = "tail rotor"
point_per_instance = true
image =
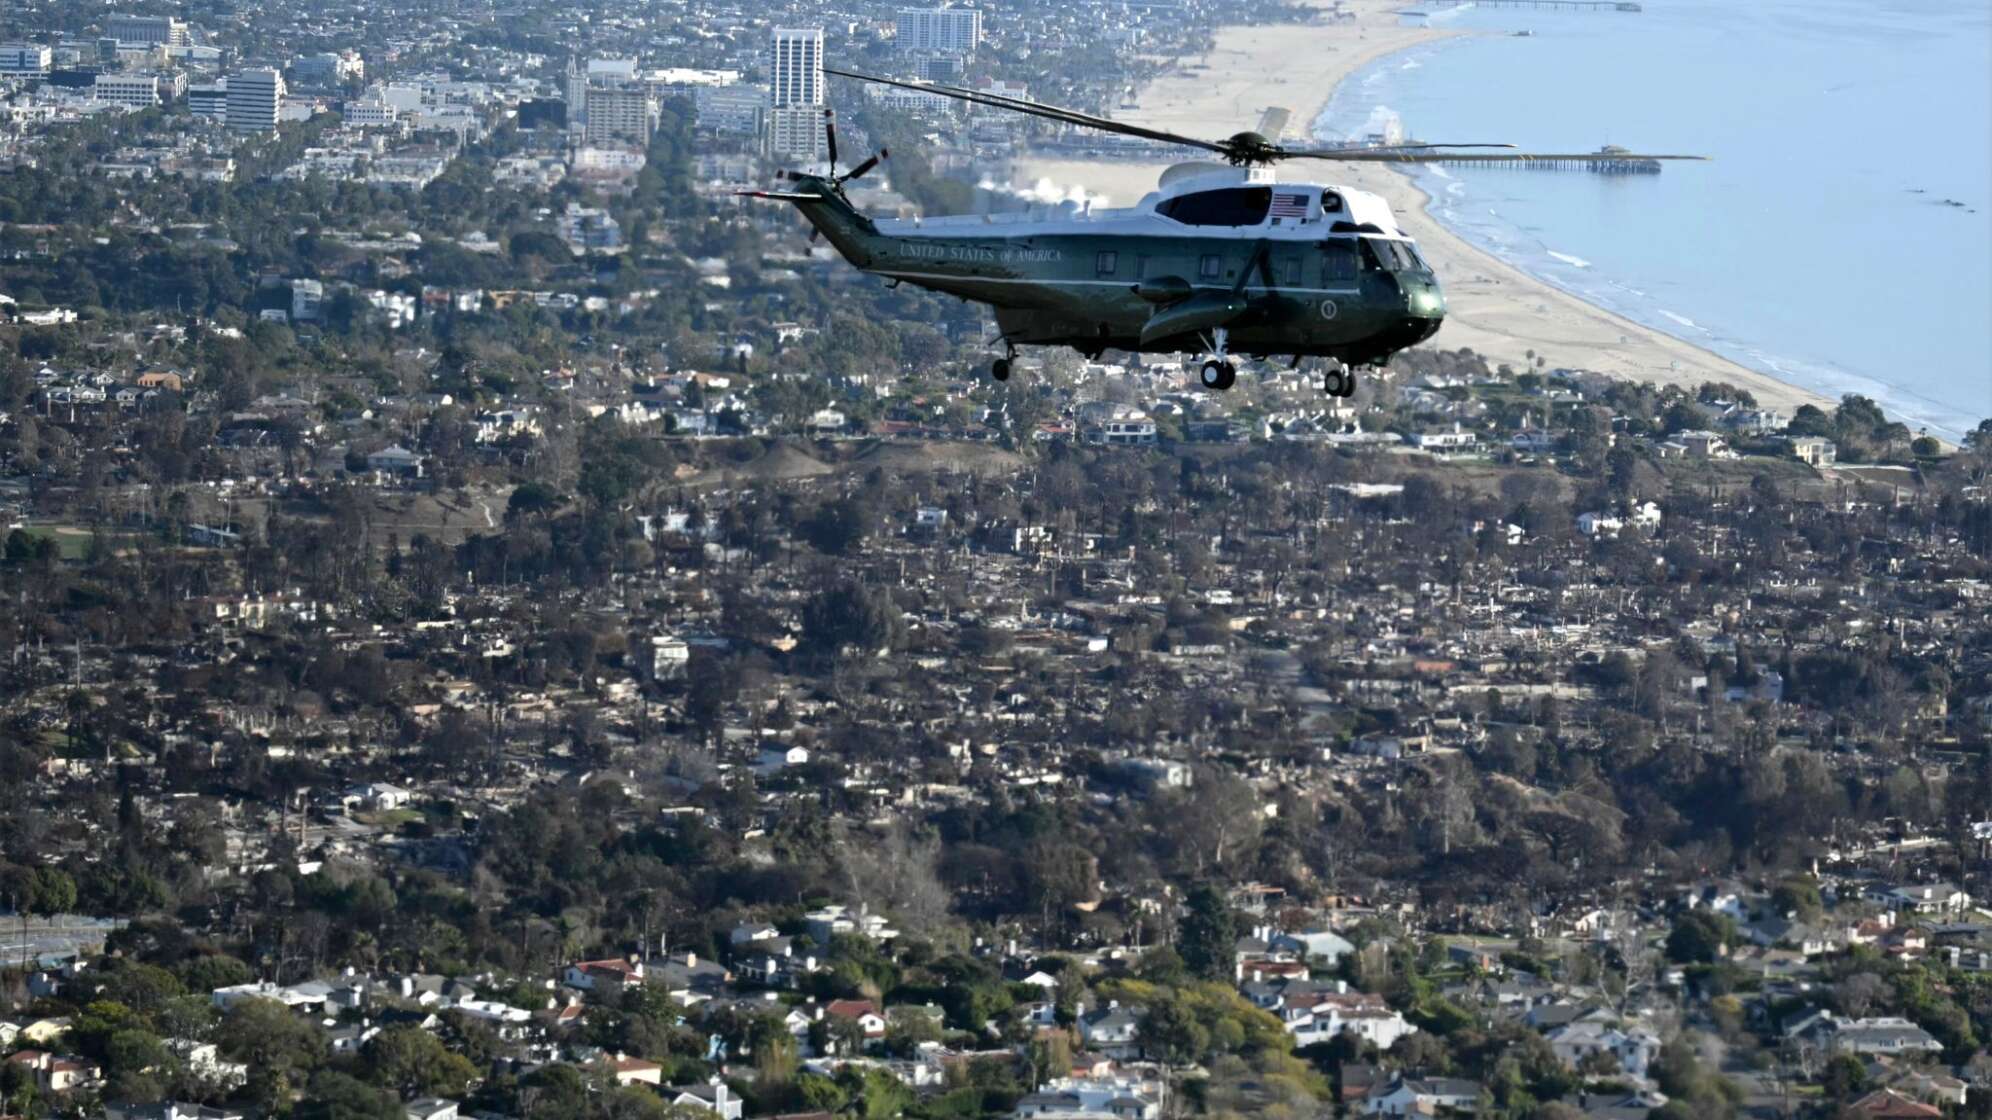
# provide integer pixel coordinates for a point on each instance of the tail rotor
(831, 179)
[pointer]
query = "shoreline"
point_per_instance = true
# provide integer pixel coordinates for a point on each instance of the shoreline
(1493, 307)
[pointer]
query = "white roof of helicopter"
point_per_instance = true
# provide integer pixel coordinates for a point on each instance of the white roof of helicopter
(1343, 204)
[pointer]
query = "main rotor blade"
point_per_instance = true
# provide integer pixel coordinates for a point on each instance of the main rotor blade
(870, 162)
(784, 196)
(830, 135)
(1032, 108)
(1402, 155)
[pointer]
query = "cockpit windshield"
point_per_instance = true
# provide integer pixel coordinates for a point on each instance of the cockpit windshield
(1394, 256)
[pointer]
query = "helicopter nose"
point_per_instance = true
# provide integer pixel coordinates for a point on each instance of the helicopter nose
(1424, 300)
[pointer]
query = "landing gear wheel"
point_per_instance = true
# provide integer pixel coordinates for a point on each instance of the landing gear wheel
(1219, 375)
(1000, 369)
(1338, 383)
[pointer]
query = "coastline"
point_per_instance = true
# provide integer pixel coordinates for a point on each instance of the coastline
(1493, 307)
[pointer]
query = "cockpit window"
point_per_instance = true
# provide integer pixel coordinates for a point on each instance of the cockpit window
(1392, 256)
(1234, 206)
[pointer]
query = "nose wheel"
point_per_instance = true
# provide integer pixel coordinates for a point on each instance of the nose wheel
(999, 370)
(1339, 382)
(1219, 373)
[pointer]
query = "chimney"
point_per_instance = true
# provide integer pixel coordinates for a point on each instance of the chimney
(1341, 987)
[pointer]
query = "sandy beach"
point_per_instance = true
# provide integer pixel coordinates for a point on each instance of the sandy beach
(1493, 308)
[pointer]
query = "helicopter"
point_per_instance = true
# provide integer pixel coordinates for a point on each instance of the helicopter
(1220, 259)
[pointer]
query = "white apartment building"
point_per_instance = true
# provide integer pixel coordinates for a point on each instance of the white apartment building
(623, 112)
(736, 110)
(162, 31)
(209, 101)
(944, 30)
(134, 91)
(254, 99)
(795, 67)
(29, 59)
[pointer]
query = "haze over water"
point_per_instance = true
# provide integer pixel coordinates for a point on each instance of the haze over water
(1816, 247)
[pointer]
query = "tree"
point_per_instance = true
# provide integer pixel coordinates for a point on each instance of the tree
(1859, 994)
(1699, 937)
(1978, 440)
(1207, 935)
(415, 1063)
(54, 892)
(1171, 1033)
(838, 527)
(853, 615)
(1845, 1077)
(341, 1096)
(279, 1047)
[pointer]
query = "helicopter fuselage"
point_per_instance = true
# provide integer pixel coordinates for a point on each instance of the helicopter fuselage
(1218, 254)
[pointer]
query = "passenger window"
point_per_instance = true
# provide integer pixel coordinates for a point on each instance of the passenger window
(1210, 268)
(1293, 273)
(1141, 268)
(1338, 262)
(1234, 206)
(1376, 258)
(1106, 263)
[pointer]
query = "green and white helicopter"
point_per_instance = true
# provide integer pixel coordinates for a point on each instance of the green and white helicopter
(1220, 259)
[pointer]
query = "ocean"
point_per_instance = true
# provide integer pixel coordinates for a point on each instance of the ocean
(1841, 239)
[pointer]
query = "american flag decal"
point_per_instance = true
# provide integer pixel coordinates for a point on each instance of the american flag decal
(1289, 205)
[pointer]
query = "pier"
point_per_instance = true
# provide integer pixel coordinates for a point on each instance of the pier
(1611, 163)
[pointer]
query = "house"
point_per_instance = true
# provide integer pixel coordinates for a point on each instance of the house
(204, 1061)
(714, 1097)
(397, 461)
(1702, 444)
(1091, 1098)
(1882, 1036)
(41, 1032)
(1445, 440)
(1111, 1030)
(298, 997)
(1359, 1079)
(773, 962)
(630, 1071)
(748, 932)
(1113, 424)
(688, 979)
(829, 921)
(1423, 1096)
(57, 1073)
(1931, 1086)
(777, 758)
(1887, 1104)
(1599, 525)
(1317, 1013)
(1633, 1049)
(1927, 898)
(377, 796)
(1533, 441)
(1815, 451)
(431, 1108)
(605, 975)
(859, 1011)
(169, 1110)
